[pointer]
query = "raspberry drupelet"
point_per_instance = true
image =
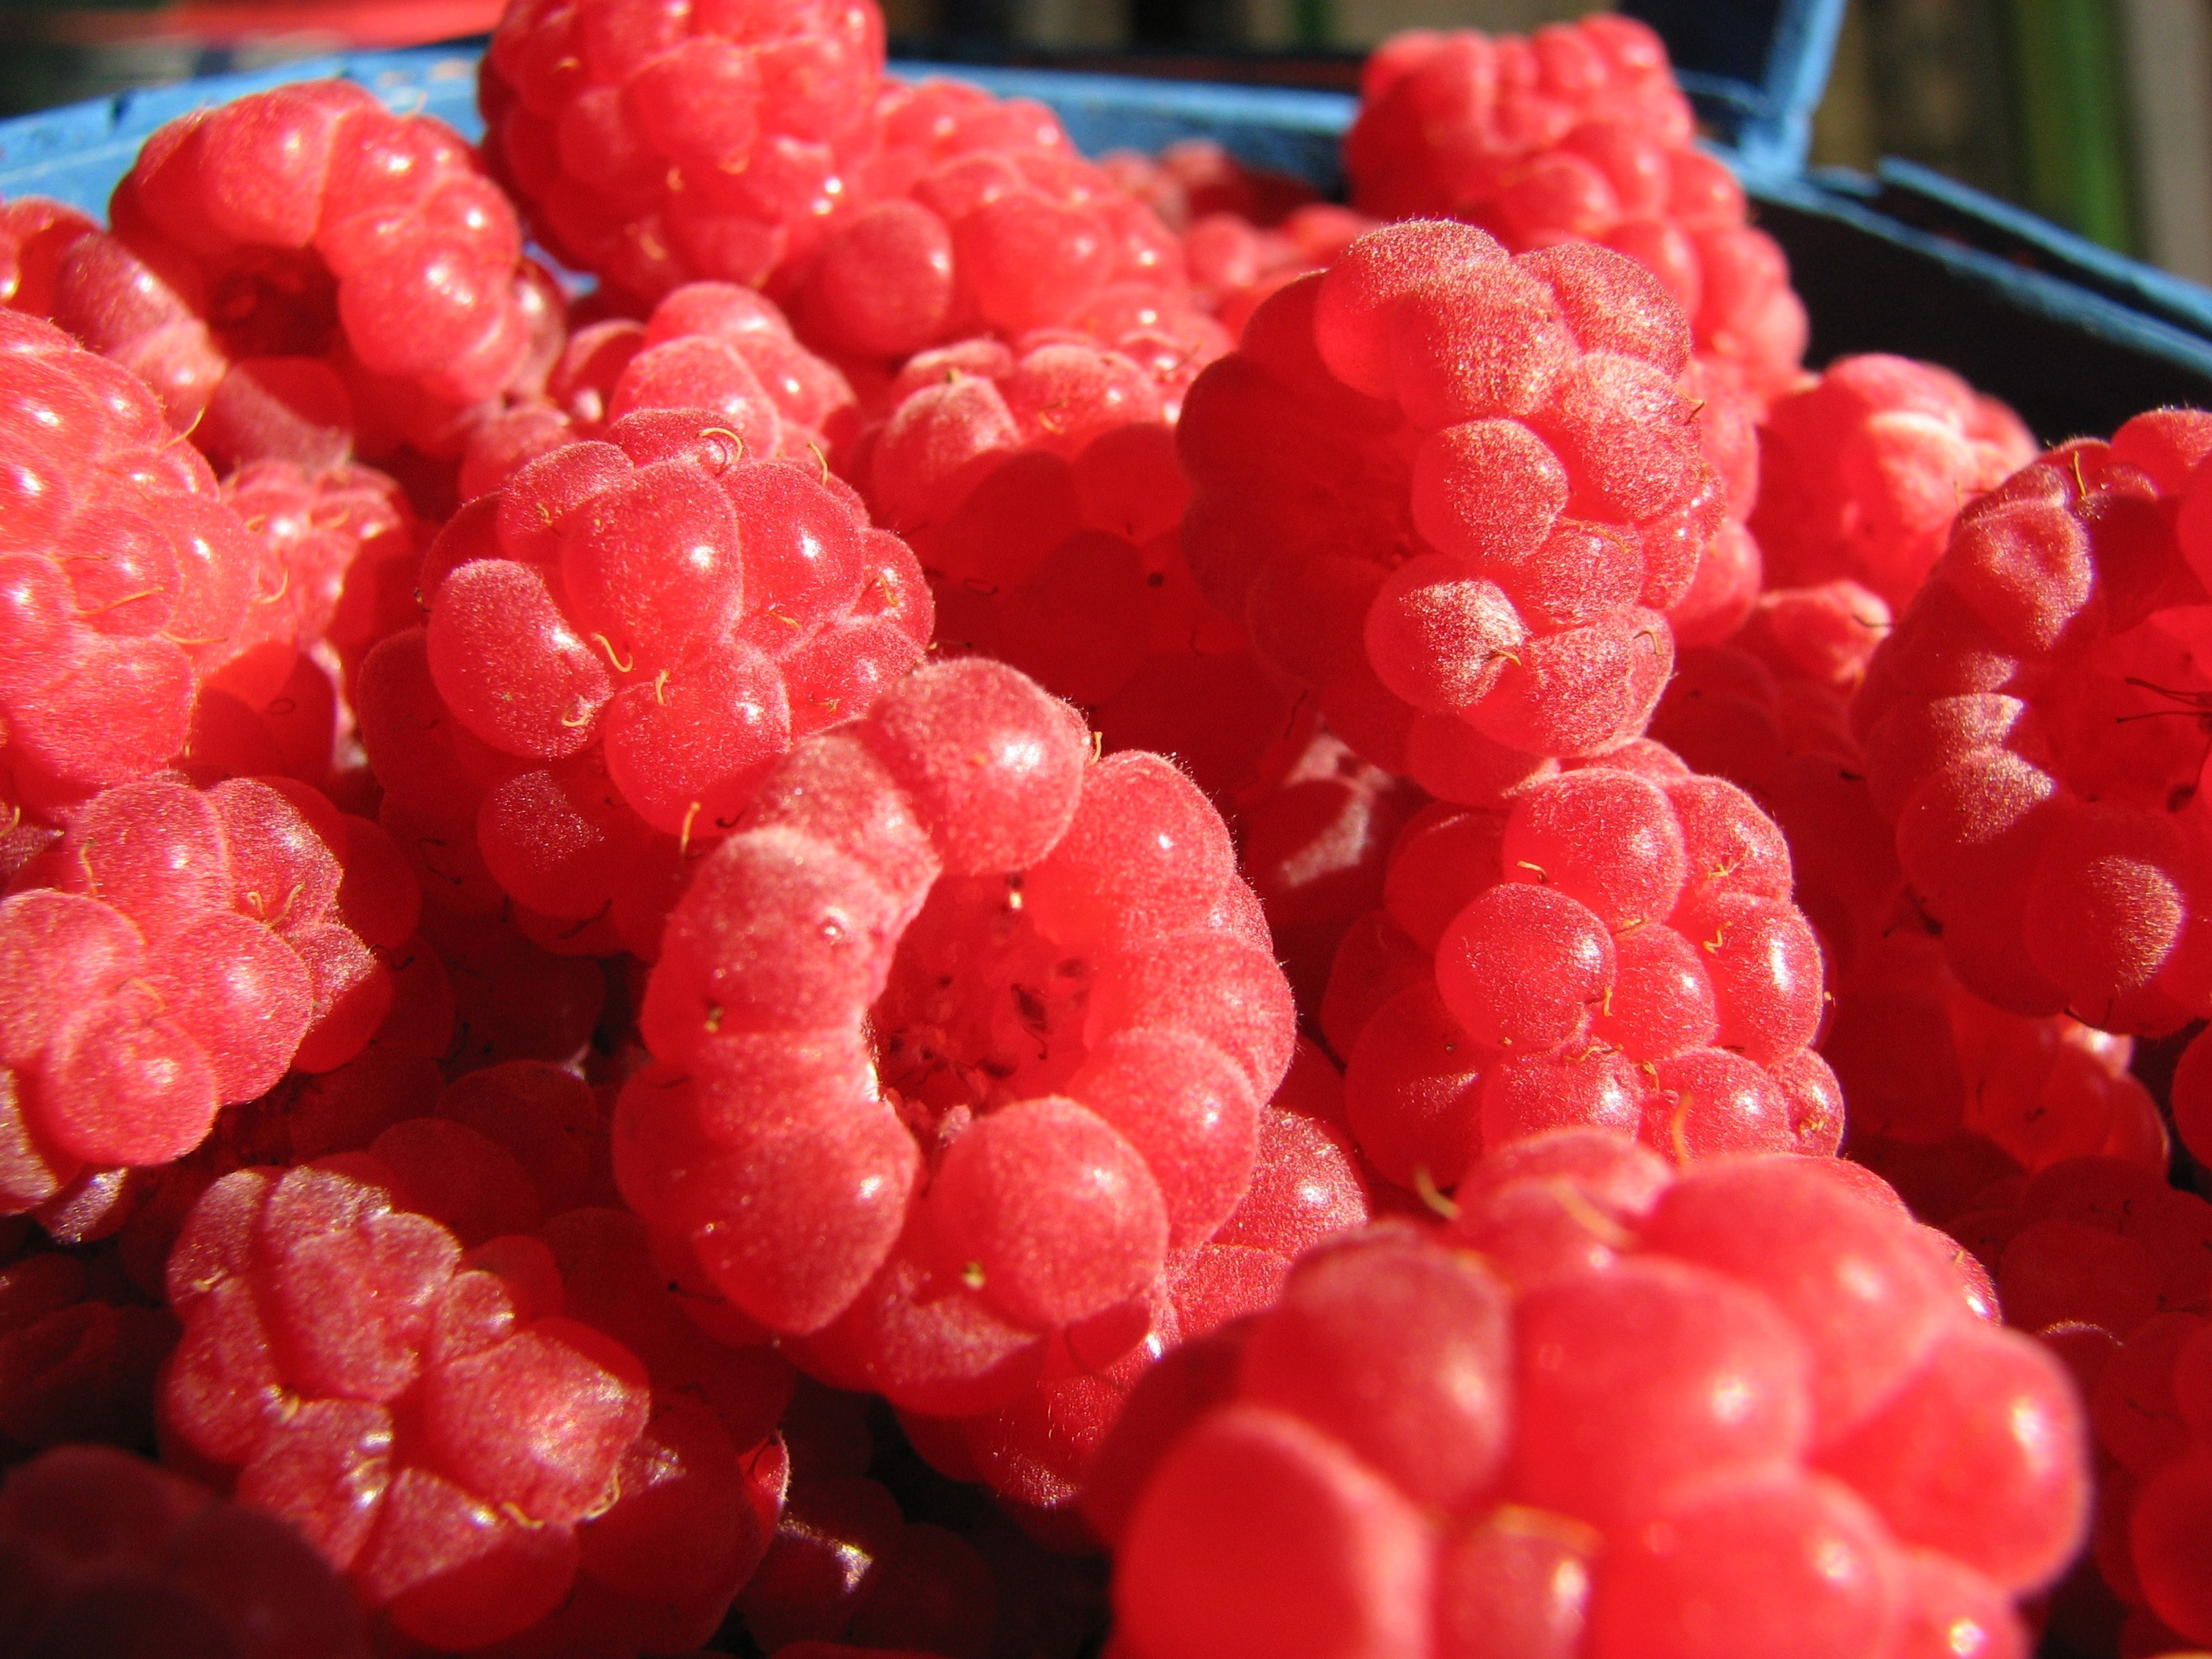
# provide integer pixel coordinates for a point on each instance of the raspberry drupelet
(302, 274)
(1744, 1407)
(1454, 492)
(962, 1036)
(34, 233)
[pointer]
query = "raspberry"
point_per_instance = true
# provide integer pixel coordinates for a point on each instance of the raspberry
(109, 1554)
(1487, 460)
(1193, 178)
(1066, 1001)
(1946, 1092)
(657, 149)
(2106, 1265)
(1235, 265)
(1562, 1468)
(206, 944)
(973, 213)
(572, 1457)
(1038, 486)
(714, 346)
(124, 577)
(2030, 729)
(1866, 468)
(301, 274)
(1576, 133)
(622, 639)
(1616, 947)
(79, 1348)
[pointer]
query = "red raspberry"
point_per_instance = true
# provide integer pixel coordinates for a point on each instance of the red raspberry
(1576, 133)
(976, 215)
(2107, 1264)
(177, 952)
(109, 1554)
(1038, 486)
(571, 1453)
(655, 147)
(2032, 729)
(1866, 468)
(1064, 989)
(1485, 463)
(123, 576)
(714, 346)
(79, 1347)
(301, 274)
(1617, 948)
(34, 234)
(1947, 1092)
(621, 640)
(1611, 1413)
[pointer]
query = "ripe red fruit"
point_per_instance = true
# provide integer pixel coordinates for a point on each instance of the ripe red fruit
(1625, 1442)
(657, 149)
(1452, 493)
(1577, 132)
(984, 1023)
(301, 274)
(2030, 731)
(1615, 947)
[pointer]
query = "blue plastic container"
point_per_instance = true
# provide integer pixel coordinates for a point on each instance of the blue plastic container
(2075, 337)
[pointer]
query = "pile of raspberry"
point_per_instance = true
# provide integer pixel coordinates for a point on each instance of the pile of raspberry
(302, 275)
(1577, 132)
(1017, 907)
(1752, 1407)
(1453, 492)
